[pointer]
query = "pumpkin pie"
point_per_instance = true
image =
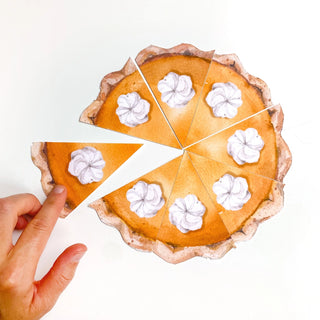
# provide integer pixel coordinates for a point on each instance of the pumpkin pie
(230, 176)
(80, 167)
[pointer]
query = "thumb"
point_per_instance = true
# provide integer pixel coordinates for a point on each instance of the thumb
(49, 288)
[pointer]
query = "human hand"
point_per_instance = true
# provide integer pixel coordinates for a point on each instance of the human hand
(21, 297)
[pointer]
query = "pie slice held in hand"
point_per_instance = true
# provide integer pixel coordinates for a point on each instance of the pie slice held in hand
(176, 77)
(243, 199)
(126, 105)
(80, 167)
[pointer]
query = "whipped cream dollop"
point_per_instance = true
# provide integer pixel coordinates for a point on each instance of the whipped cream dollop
(245, 146)
(224, 99)
(176, 90)
(132, 109)
(186, 213)
(232, 192)
(86, 164)
(145, 199)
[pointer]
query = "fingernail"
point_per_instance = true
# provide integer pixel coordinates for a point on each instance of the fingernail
(77, 257)
(59, 189)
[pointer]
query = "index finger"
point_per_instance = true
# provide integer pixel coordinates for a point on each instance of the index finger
(34, 238)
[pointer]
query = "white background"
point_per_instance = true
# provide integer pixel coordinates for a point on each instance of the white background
(53, 55)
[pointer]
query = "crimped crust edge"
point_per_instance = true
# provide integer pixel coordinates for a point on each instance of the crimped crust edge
(40, 160)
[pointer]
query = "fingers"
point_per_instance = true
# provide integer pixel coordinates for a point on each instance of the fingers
(11, 208)
(21, 223)
(58, 278)
(33, 239)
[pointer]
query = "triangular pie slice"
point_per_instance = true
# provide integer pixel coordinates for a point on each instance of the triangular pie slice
(139, 228)
(191, 225)
(254, 145)
(229, 95)
(126, 105)
(176, 77)
(243, 199)
(80, 167)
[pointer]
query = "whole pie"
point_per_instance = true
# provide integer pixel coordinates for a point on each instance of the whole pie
(230, 175)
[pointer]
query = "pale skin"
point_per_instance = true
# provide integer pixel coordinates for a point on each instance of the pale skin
(21, 297)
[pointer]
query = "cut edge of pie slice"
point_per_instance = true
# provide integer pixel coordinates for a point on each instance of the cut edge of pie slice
(114, 208)
(262, 199)
(229, 103)
(53, 159)
(138, 115)
(183, 67)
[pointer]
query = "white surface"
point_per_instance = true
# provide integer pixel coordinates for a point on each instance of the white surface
(52, 58)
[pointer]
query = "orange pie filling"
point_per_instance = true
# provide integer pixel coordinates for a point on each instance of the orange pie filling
(223, 179)
(81, 170)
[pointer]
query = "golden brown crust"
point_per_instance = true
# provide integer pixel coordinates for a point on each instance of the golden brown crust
(179, 254)
(284, 154)
(39, 158)
(106, 85)
(154, 52)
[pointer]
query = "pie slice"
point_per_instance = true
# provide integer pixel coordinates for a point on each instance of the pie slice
(137, 208)
(126, 105)
(191, 225)
(80, 167)
(251, 145)
(243, 199)
(229, 95)
(176, 77)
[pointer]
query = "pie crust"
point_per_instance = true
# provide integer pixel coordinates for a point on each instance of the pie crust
(40, 159)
